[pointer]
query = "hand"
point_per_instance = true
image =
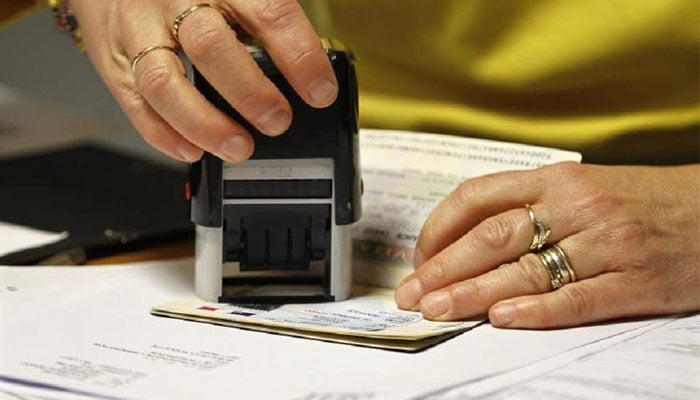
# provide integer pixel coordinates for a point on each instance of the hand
(164, 106)
(631, 234)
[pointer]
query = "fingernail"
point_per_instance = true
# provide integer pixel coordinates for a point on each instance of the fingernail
(418, 258)
(236, 149)
(435, 304)
(503, 314)
(323, 92)
(189, 153)
(275, 122)
(408, 294)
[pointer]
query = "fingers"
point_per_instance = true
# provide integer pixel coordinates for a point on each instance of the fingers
(495, 241)
(601, 298)
(156, 131)
(213, 48)
(527, 276)
(291, 41)
(163, 105)
(465, 206)
(161, 80)
(476, 199)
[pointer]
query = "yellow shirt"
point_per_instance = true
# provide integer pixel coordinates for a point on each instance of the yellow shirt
(575, 74)
(616, 79)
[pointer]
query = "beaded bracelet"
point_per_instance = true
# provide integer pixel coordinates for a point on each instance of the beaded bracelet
(65, 20)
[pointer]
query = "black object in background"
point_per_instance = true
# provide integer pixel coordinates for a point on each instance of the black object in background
(108, 201)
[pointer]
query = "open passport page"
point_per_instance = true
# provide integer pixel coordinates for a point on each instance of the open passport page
(405, 175)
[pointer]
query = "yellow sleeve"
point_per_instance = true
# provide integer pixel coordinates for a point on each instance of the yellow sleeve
(556, 72)
(12, 9)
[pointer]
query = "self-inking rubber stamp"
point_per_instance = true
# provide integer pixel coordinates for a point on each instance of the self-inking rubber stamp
(276, 228)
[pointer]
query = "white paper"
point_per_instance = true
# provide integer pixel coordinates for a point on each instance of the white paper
(406, 175)
(15, 238)
(90, 331)
(660, 361)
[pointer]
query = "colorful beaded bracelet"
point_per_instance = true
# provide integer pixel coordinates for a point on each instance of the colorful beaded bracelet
(66, 21)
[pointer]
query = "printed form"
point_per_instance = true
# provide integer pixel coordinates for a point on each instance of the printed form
(406, 175)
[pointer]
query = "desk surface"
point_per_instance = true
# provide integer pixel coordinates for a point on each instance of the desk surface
(179, 249)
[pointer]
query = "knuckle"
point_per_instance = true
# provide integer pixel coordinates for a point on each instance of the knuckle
(630, 232)
(465, 192)
(596, 200)
(205, 40)
(533, 274)
(244, 97)
(576, 301)
(469, 292)
(428, 234)
(433, 274)
(493, 233)
(566, 170)
(301, 53)
(154, 80)
(133, 105)
(622, 235)
(276, 13)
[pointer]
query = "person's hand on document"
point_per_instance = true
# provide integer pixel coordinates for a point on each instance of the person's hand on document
(133, 45)
(613, 242)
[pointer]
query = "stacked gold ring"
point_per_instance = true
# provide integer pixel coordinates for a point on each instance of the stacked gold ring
(557, 264)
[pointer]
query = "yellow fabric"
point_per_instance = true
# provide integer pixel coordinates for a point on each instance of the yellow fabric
(557, 72)
(595, 75)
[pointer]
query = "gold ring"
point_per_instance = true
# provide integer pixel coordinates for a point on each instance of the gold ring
(542, 231)
(558, 266)
(181, 17)
(147, 50)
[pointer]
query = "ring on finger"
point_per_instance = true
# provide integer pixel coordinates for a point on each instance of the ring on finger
(181, 17)
(542, 231)
(558, 266)
(142, 54)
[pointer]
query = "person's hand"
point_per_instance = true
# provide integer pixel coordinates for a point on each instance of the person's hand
(631, 234)
(164, 106)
